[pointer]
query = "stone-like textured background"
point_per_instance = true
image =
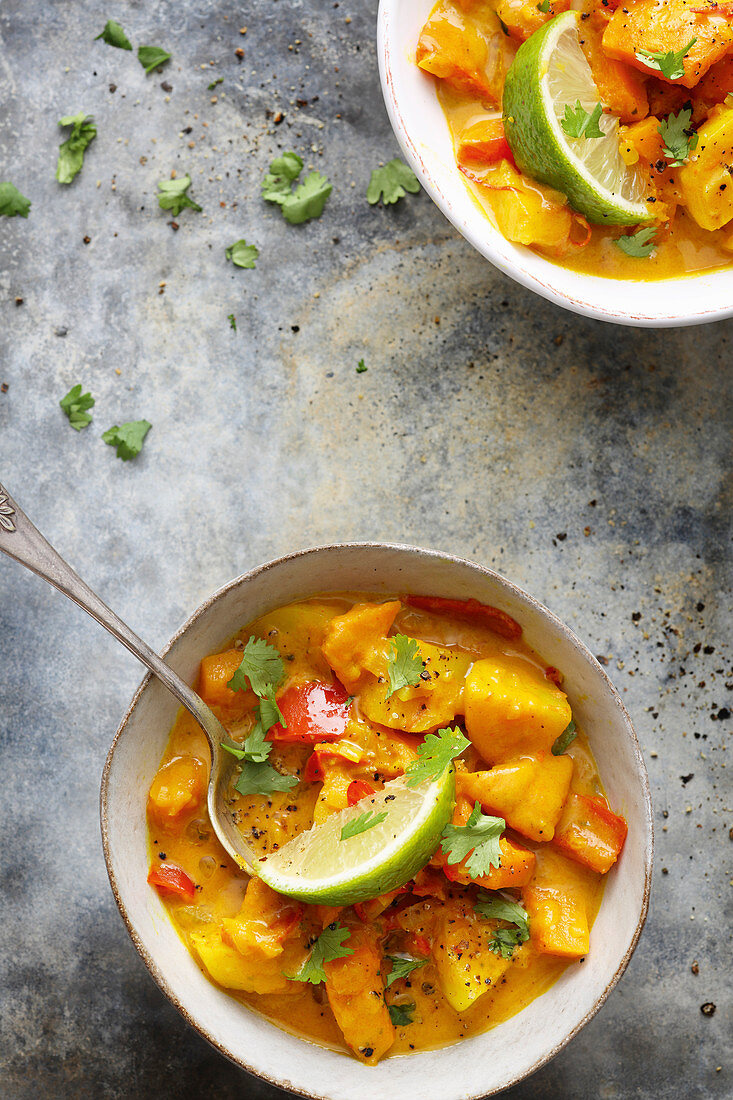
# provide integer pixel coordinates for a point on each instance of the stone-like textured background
(586, 462)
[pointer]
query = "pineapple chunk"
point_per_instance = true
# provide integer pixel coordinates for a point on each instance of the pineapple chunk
(511, 708)
(467, 969)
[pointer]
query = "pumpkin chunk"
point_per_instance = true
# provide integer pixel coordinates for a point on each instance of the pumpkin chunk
(557, 922)
(356, 995)
(529, 792)
(590, 833)
(467, 50)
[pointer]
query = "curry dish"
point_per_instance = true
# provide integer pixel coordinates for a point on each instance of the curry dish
(663, 69)
(462, 945)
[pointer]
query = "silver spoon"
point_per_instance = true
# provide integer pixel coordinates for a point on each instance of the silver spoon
(20, 540)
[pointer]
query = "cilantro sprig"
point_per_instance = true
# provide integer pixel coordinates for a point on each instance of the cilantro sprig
(402, 965)
(12, 202)
(309, 197)
(405, 665)
(242, 254)
(639, 245)
(479, 837)
(391, 183)
(75, 405)
(362, 823)
(173, 195)
(114, 35)
(579, 123)
(565, 739)
(328, 946)
(152, 57)
(496, 907)
(261, 668)
(679, 140)
(401, 1014)
(128, 438)
(71, 151)
(669, 63)
(435, 755)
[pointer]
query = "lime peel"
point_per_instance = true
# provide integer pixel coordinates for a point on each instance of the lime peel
(549, 71)
(318, 867)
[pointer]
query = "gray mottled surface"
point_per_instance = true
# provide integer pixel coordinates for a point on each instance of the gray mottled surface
(587, 463)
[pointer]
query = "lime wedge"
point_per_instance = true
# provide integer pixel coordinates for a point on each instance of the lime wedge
(549, 73)
(318, 866)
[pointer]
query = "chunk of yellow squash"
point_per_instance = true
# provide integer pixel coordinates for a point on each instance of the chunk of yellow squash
(511, 708)
(528, 792)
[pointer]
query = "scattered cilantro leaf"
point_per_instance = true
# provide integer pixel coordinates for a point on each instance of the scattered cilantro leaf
(172, 195)
(255, 748)
(401, 1015)
(12, 202)
(405, 665)
(402, 965)
(261, 778)
(544, 7)
(219, 80)
(261, 668)
(679, 140)
(578, 123)
(128, 438)
(361, 824)
(391, 183)
(308, 199)
(503, 940)
(232, 321)
(361, 367)
(639, 244)
(565, 739)
(669, 64)
(328, 946)
(114, 35)
(268, 711)
(75, 404)
(71, 151)
(480, 837)
(436, 753)
(283, 171)
(242, 254)
(152, 57)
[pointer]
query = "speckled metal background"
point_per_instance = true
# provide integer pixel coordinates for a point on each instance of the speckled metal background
(588, 463)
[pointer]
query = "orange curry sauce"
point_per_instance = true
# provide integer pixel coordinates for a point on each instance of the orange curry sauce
(560, 834)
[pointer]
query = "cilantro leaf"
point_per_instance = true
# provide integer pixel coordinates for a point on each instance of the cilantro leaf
(128, 438)
(219, 80)
(479, 836)
(401, 1015)
(261, 668)
(361, 367)
(283, 171)
(114, 35)
(255, 748)
(497, 907)
(328, 946)
(151, 57)
(261, 778)
(307, 200)
(172, 195)
(565, 739)
(268, 711)
(544, 7)
(12, 202)
(669, 64)
(232, 321)
(242, 254)
(75, 404)
(405, 666)
(639, 244)
(436, 753)
(504, 940)
(71, 151)
(679, 140)
(579, 123)
(361, 824)
(391, 183)
(402, 965)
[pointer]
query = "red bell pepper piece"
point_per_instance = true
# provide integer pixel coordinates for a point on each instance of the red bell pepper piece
(313, 712)
(469, 611)
(357, 790)
(169, 876)
(313, 773)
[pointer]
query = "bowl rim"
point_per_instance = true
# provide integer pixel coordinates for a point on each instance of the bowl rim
(490, 250)
(568, 634)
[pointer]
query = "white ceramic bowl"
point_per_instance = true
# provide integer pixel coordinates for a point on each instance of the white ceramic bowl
(476, 1067)
(422, 131)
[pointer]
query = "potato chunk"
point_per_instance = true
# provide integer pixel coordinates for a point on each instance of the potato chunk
(511, 708)
(557, 922)
(356, 995)
(706, 180)
(528, 792)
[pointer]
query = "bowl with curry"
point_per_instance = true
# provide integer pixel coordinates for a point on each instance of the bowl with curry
(585, 149)
(448, 816)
